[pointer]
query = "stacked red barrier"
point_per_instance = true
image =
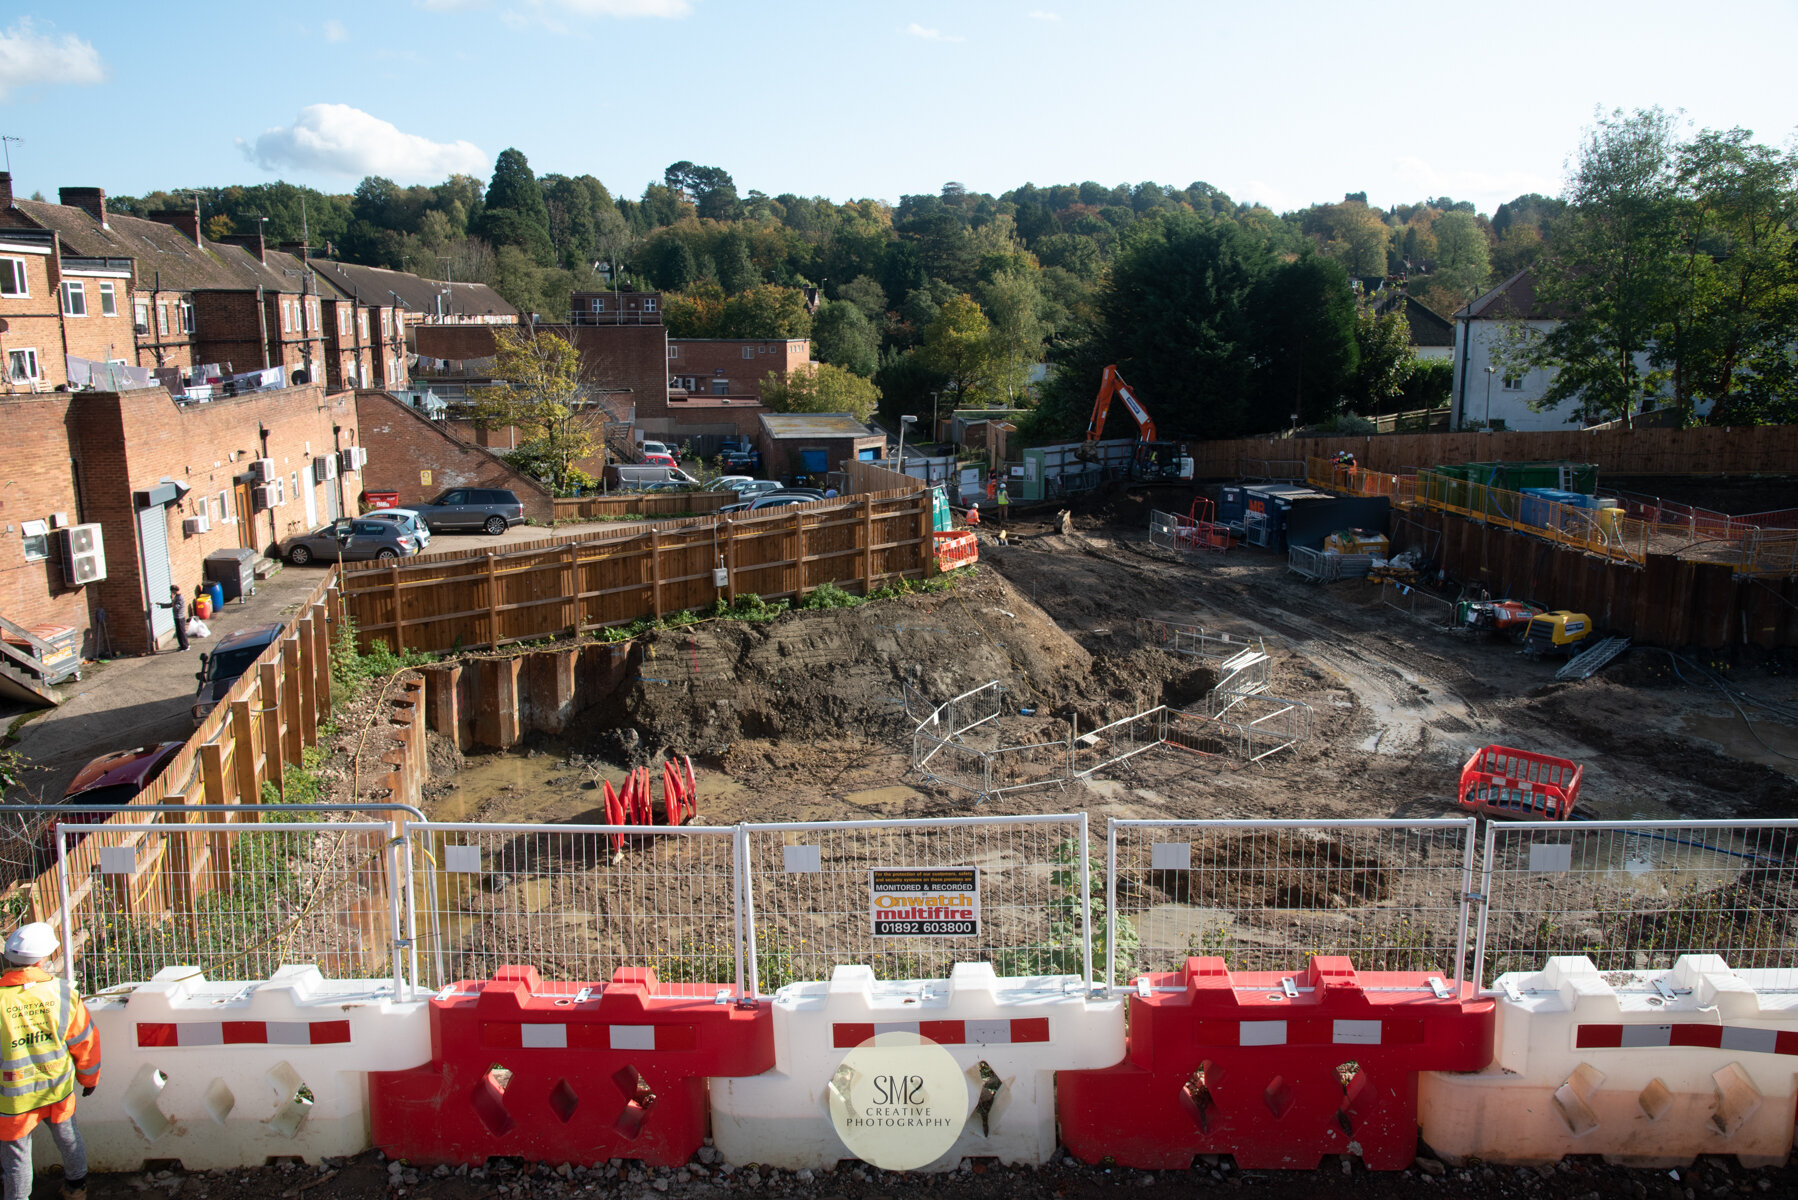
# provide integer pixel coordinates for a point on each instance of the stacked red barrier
(1273, 1070)
(620, 1073)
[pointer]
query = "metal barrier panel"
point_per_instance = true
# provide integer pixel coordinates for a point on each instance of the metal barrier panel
(811, 892)
(1019, 768)
(579, 902)
(230, 899)
(977, 706)
(1261, 724)
(1270, 895)
(1635, 895)
(1165, 529)
(952, 763)
(1182, 638)
(1117, 741)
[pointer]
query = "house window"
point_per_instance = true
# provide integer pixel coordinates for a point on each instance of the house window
(162, 320)
(649, 304)
(221, 508)
(720, 387)
(599, 305)
(109, 300)
(1513, 383)
(343, 323)
(386, 324)
(21, 366)
(12, 277)
(362, 323)
(749, 352)
(317, 321)
(140, 315)
(36, 540)
(187, 317)
(74, 298)
(674, 352)
(761, 349)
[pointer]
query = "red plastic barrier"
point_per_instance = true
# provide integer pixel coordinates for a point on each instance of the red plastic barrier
(1502, 782)
(958, 549)
(1277, 1071)
(620, 1074)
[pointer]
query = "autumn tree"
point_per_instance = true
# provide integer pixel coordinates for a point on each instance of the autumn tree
(538, 391)
(958, 345)
(821, 389)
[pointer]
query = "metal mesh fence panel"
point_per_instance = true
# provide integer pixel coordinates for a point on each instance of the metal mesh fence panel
(812, 892)
(233, 900)
(1019, 768)
(947, 762)
(1117, 741)
(579, 901)
(1268, 895)
(1636, 895)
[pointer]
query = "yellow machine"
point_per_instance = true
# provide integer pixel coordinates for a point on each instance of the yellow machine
(1558, 632)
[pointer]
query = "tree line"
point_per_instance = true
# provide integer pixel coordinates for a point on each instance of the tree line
(1227, 318)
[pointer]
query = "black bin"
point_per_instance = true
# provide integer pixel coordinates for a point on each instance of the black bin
(234, 571)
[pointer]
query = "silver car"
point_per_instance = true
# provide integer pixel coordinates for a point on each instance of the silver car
(352, 539)
(407, 519)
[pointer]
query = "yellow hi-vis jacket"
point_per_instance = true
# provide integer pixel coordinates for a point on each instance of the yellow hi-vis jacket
(47, 1046)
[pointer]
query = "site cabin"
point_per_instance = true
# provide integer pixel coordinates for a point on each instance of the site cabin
(1522, 785)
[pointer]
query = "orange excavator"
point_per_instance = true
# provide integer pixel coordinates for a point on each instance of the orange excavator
(1153, 459)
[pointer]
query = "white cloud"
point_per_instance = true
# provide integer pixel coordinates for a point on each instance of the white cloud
(625, 8)
(347, 141)
(930, 35)
(449, 5)
(28, 57)
(1039, 15)
(335, 32)
(1487, 189)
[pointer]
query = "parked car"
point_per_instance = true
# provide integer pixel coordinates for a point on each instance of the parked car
(110, 781)
(490, 509)
(740, 453)
(354, 538)
(660, 460)
(648, 448)
(228, 660)
(669, 485)
(756, 487)
(729, 483)
(780, 500)
(407, 519)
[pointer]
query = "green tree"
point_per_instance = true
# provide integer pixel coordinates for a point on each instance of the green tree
(821, 389)
(1385, 359)
(865, 292)
(843, 337)
(1017, 310)
(736, 271)
(766, 311)
(1463, 254)
(670, 263)
(1303, 338)
(1610, 270)
(958, 345)
(538, 391)
(515, 212)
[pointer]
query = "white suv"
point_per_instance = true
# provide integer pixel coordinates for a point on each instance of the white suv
(406, 519)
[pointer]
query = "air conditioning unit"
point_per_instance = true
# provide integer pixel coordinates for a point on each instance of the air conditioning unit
(352, 458)
(199, 524)
(263, 497)
(83, 554)
(263, 469)
(324, 468)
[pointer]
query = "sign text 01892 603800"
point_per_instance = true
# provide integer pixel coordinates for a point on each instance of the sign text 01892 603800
(924, 901)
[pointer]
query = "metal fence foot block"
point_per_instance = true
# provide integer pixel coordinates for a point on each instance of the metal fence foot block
(1275, 1070)
(231, 1074)
(1023, 1029)
(1647, 1068)
(617, 1070)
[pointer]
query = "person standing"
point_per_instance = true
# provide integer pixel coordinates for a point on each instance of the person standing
(50, 1047)
(178, 602)
(1004, 501)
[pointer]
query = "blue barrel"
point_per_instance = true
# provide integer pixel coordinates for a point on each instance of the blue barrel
(217, 592)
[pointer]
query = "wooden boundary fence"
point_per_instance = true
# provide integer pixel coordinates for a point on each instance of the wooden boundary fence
(557, 587)
(260, 727)
(641, 504)
(1759, 450)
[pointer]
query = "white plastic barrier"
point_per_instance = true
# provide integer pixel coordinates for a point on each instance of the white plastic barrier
(1645, 1068)
(233, 1074)
(1021, 1029)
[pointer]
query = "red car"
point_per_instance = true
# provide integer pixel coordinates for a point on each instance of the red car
(110, 781)
(659, 460)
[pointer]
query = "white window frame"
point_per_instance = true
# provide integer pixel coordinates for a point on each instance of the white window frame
(749, 352)
(162, 320)
(187, 317)
(386, 322)
(109, 298)
(1513, 383)
(26, 355)
(74, 296)
(673, 352)
(140, 309)
(22, 281)
(34, 540)
(649, 304)
(362, 323)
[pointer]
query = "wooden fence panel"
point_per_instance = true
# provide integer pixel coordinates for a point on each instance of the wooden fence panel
(641, 504)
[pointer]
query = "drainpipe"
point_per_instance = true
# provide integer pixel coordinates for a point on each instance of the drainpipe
(262, 318)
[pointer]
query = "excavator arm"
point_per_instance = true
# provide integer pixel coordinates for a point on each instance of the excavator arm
(1111, 384)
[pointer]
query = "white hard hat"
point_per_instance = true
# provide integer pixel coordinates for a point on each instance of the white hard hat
(31, 943)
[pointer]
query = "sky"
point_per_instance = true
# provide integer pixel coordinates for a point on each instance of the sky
(1286, 104)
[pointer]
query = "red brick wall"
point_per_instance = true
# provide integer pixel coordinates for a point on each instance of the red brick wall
(780, 456)
(34, 322)
(176, 348)
(404, 447)
(710, 361)
(100, 337)
(40, 481)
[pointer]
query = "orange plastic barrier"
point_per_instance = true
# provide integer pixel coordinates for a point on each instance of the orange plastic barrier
(1501, 782)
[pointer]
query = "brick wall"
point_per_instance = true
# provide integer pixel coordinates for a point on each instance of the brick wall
(33, 322)
(780, 456)
(165, 341)
(410, 454)
(739, 365)
(455, 342)
(131, 441)
(100, 337)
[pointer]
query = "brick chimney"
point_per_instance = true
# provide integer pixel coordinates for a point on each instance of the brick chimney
(187, 220)
(91, 200)
(5, 189)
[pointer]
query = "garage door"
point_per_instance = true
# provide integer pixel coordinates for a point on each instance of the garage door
(153, 548)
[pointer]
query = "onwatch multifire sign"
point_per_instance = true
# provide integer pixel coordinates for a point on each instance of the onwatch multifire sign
(925, 901)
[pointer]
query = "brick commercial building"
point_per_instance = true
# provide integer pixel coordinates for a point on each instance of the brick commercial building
(733, 367)
(167, 483)
(814, 444)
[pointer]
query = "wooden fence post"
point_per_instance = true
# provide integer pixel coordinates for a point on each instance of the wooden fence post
(292, 670)
(867, 545)
(268, 697)
(655, 572)
(399, 615)
(212, 791)
(571, 588)
(798, 556)
(730, 562)
(492, 600)
(321, 666)
(308, 731)
(243, 753)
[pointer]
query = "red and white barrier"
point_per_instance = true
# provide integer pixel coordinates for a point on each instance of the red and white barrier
(1021, 1030)
(220, 1074)
(1644, 1068)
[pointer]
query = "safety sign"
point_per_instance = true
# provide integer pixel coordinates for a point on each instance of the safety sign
(925, 901)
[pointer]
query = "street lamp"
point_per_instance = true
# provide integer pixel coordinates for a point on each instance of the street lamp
(1490, 372)
(933, 417)
(903, 422)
